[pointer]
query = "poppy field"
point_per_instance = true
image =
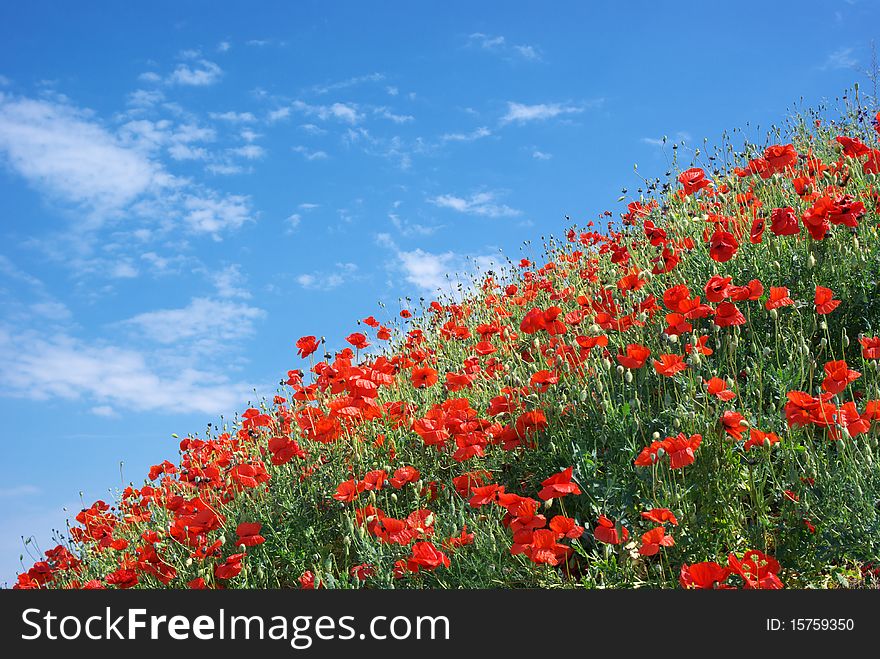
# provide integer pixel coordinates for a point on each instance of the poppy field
(681, 394)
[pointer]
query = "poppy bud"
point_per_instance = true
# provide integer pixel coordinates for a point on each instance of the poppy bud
(767, 352)
(628, 376)
(676, 422)
(811, 261)
(823, 326)
(619, 369)
(656, 436)
(222, 539)
(774, 314)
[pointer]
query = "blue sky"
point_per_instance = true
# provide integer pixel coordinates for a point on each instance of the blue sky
(188, 187)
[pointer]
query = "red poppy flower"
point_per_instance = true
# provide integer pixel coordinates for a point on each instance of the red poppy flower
(606, 532)
(727, 314)
(461, 540)
(693, 180)
(307, 581)
(423, 377)
(824, 301)
(779, 297)
(751, 291)
(699, 347)
(784, 222)
(427, 557)
(718, 388)
(707, 575)
(757, 570)
(249, 534)
(681, 449)
(870, 347)
(756, 233)
(635, 356)
(717, 288)
(348, 491)
(853, 148)
(660, 515)
(565, 527)
(669, 365)
(306, 345)
(230, 568)
(559, 485)
(780, 156)
(837, 376)
(733, 425)
(653, 540)
(722, 246)
(358, 340)
(759, 439)
(404, 475)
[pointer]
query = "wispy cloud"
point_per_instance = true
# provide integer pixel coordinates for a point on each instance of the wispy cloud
(521, 113)
(541, 155)
(344, 84)
(346, 113)
(37, 366)
(476, 134)
(216, 213)
(206, 325)
(325, 281)
(201, 74)
(309, 154)
(234, 117)
(842, 58)
(59, 150)
(499, 45)
(481, 203)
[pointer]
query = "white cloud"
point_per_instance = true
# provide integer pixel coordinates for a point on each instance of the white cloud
(293, 222)
(150, 76)
(481, 203)
(103, 410)
(228, 282)
(407, 229)
(540, 155)
(223, 46)
(62, 151)
(347, 113)
(385, 113)
(201, 75)
(521, 113)
(217, 213)
(279, 114)
(145, 98)
(206, 325)
(842, 58)
(312, 129)
(486, 41)
(41, 366)
(249, 151)
(123, 270)
(306, 206)
(476, 134)
(233, 117)
(500, 46)
(350, 82)
(325, 281)
(392, 91)
(428, 271)
(308, 154)
(527, 52)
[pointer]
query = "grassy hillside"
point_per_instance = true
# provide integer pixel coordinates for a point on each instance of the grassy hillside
(687, 395)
